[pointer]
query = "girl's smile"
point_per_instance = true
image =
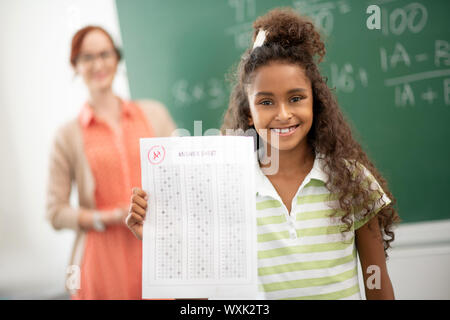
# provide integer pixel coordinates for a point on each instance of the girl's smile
(286, 131)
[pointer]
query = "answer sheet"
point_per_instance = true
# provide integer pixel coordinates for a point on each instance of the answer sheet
(199, 236)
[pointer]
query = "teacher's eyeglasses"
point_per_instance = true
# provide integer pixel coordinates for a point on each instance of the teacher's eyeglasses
(88, 59)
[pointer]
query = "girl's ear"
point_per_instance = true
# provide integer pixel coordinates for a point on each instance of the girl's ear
(250, 121)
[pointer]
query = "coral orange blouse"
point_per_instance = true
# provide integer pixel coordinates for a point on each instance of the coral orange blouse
(111, 266)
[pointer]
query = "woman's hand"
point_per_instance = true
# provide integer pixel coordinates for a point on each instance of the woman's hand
(116, 216)
(137, 211)
(107, 217)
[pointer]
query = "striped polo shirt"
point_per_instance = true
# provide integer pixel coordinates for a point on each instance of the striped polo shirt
(305, 254)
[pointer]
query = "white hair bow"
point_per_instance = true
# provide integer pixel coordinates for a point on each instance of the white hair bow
(260, 38)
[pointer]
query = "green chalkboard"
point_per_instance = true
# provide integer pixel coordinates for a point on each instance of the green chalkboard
(393, 83)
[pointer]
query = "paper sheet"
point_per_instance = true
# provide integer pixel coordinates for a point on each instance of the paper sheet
(200, 232)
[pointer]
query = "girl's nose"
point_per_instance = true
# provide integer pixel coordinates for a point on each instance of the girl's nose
(284, 112)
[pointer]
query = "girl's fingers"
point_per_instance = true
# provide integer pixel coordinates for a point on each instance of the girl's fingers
(137, 209)
(135, 223)
(134, 218)
(139, 192)
(137, 218)
(139, 201)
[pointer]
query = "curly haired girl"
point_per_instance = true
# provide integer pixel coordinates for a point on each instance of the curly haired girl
(326, 203)
(325, 185)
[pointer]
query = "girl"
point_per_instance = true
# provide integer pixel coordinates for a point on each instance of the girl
(326, 202)
(99, 151)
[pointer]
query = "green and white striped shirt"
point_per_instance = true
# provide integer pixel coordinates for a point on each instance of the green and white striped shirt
(304, 254)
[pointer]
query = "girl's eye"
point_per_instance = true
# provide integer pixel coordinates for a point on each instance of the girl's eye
(266, 102)
(296, 99)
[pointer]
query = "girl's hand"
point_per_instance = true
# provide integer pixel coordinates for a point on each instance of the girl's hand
(137, 212)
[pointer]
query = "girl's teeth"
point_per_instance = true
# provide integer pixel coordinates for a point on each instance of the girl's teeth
(286, 130)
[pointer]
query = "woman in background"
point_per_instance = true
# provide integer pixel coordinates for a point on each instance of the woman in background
(99, 151)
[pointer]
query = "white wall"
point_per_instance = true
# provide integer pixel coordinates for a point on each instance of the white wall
(38, 92)
(419, 265)
(419, 261)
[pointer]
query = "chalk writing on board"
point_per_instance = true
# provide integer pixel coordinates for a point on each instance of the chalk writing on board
(346, 77)
(399, 55)
(211, 92)
(432, 83)
(404, 91)
(322, 12)
(412, 17)
(241, 30)
(243, 9)
(242, 35)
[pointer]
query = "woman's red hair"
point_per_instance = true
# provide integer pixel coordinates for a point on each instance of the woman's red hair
(78, 38)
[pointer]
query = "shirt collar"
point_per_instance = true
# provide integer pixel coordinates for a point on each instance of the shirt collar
(87, 114)
(265, 188)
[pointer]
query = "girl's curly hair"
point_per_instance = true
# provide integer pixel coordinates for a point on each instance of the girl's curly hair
(292, 38)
